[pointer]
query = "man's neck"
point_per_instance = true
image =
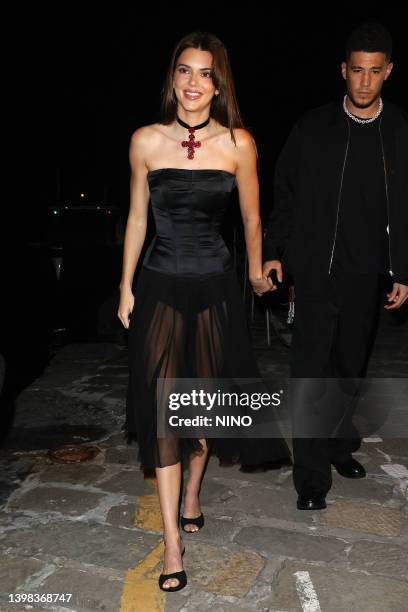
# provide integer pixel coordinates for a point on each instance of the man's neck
(363, 113)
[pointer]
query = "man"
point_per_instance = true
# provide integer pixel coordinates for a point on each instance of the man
(340, 218)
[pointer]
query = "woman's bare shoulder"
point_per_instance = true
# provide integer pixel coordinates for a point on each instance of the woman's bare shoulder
(145, 133)
(243, 138)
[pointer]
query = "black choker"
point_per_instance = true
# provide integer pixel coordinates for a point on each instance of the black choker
(191, 143)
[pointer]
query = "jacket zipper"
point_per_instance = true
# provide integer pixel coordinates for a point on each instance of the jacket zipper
(339, 198)
(387, 198)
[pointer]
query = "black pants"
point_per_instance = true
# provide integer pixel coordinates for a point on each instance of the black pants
(335, 321)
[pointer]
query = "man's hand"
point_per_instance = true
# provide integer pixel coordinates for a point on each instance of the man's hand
(275, 264)
(397, 296)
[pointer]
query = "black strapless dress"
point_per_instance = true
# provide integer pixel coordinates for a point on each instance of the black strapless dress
(188, 318)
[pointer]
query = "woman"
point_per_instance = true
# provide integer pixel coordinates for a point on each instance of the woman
(187, 318)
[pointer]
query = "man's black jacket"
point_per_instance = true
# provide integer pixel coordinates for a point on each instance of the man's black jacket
(307, 191)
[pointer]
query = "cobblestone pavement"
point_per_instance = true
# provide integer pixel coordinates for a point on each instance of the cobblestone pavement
(93, 529)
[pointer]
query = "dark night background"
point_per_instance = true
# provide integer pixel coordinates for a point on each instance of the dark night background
(94, 77)
(88, 77)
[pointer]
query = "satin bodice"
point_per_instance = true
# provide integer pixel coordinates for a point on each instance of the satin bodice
(188, 208)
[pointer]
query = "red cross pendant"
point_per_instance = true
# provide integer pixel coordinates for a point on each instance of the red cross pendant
(191, 144)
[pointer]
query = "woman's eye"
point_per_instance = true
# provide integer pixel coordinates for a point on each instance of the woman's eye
(207, 75)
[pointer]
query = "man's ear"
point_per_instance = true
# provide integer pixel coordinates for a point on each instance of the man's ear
(344, 70)
(388, 71)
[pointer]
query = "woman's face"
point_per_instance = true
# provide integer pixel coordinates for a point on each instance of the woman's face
(192, 82)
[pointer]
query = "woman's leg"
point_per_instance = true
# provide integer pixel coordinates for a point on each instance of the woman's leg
(163, 358)
(169, 483)
(209, 354)
(196, 468)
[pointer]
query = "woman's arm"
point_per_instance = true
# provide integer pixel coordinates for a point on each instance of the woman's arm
(248, 188)
(136, 222)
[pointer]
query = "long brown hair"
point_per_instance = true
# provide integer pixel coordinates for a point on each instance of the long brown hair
(224, 106)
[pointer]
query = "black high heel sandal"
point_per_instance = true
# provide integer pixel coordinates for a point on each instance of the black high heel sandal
(181, 576)
(198, 521)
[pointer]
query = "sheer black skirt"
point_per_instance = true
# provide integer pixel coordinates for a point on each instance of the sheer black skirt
(188, 328)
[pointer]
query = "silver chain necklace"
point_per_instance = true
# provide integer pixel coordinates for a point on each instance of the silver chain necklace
(357, 119)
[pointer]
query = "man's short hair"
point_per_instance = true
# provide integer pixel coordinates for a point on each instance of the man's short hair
(370, 37)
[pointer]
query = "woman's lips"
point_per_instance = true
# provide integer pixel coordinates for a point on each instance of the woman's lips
(191, 95)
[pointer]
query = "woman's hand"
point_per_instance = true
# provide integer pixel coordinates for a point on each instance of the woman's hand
(260, 285)
(127, 301)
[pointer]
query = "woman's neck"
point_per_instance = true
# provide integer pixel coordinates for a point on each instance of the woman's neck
(192, 118)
